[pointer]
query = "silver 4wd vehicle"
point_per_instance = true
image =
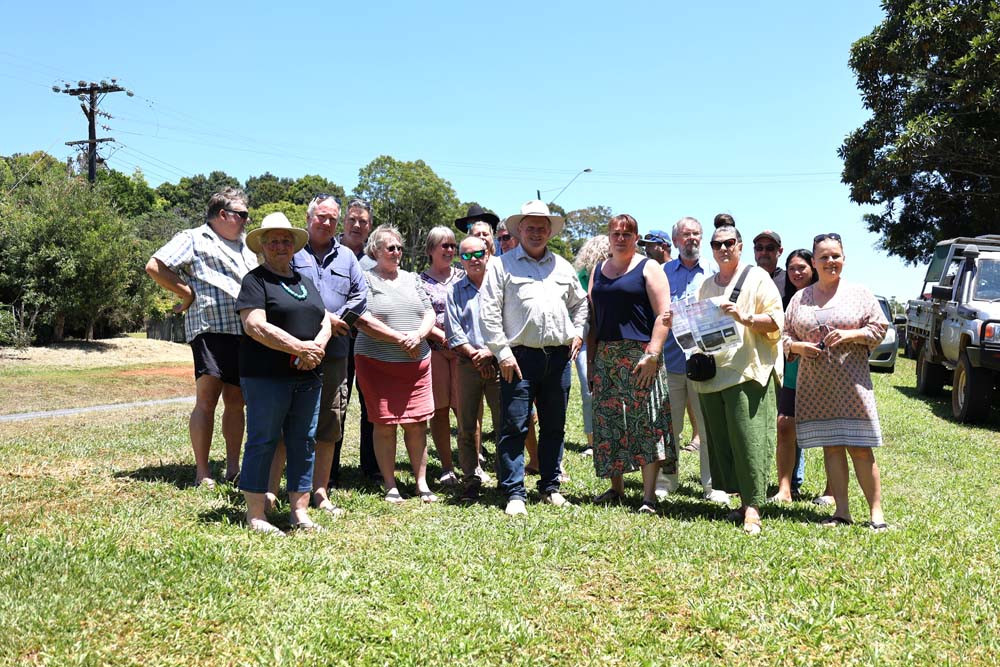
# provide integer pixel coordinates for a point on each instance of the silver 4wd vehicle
(955, 329)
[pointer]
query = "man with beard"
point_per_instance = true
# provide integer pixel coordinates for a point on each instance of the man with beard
(656, 245)
(766, 253)
(686, 274)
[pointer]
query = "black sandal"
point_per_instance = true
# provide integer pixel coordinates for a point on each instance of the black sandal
(836, 521)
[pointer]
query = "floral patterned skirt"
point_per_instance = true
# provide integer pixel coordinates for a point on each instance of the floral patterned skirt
(631, 425)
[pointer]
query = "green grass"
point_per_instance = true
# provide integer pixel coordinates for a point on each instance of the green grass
(108, 557)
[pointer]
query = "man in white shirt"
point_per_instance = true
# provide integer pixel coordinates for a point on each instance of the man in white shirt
(533, 313)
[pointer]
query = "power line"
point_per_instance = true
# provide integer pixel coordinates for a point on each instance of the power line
(90, 96)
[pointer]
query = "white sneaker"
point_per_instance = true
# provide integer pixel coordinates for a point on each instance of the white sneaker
(716, 496)
(515, 506)
(448, 479)
(556, 499)
(665, 485)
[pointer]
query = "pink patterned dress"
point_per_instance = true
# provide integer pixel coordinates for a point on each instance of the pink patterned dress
(834, 400)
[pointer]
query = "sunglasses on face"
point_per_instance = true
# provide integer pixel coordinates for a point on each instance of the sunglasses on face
(728, 244)
(478, 254)
(765, 248)
(393, 248)
(449, 246)
(822, 237)
(244, 215)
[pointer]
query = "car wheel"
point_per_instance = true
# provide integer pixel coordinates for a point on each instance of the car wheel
(971, 392)
(930, 376)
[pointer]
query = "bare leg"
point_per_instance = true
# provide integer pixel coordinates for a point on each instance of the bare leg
(531, 443)
(649, 472)
(385, 453)
(835, 460)
(441, 434)
(415, 439)
(233, 427)
(695, 435)
(618, 484)
(300, 507)
(202, 423)
(274, 476)
(870, 480)
(321, 472)
(785, 457)
(256, 515)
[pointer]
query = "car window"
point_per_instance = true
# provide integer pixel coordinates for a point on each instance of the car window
(988, 280)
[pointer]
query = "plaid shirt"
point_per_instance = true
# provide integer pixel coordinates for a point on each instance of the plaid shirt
(213, 268)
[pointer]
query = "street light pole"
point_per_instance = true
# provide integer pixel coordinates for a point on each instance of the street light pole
(585, 171)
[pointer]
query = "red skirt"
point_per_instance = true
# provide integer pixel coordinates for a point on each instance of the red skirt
(396, 392)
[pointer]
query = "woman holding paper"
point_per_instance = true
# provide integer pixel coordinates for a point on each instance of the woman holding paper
(739, 402)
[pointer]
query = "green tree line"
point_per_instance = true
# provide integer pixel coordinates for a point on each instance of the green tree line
(72, 254)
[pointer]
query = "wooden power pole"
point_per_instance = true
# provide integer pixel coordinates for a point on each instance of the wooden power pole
(90, 96)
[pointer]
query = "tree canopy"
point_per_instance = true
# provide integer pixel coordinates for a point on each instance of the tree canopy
(930, 154)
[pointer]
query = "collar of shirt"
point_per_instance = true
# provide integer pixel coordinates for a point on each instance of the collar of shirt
(520, 254)
(244, 253)
(339, 240)
(330, 254)
(466, 284)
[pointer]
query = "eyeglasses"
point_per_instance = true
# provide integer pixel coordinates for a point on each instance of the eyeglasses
(449, 246)
(478, 254)
(504, 237)
(357, 202)
(760, 247)
(728, 244)
(393, 248)
(324, 196)
(244, 215)
(822, 237)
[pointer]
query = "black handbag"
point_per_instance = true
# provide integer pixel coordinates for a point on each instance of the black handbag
(701, 366)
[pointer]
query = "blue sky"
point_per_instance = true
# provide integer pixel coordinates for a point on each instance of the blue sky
(679, 109)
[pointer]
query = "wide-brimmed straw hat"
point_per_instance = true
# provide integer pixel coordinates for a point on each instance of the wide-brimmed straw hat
(535, 207)
(475, 214)
(274, 221)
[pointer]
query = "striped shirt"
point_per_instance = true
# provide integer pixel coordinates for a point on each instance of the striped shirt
(399, 304)
(213, 268)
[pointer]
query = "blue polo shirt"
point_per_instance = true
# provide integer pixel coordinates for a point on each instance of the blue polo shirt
(341, 285)
(461, 324)
(684, 283)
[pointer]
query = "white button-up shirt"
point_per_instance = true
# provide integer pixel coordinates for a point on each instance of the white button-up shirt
(529, 302)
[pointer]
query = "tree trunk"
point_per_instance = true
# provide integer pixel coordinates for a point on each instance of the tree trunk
(59, 328)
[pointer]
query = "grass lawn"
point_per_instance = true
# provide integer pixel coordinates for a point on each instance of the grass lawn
(107, 556)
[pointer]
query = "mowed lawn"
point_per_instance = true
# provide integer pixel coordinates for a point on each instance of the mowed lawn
(108, 556)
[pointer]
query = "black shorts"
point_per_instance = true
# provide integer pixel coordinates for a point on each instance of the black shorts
(786, 402)
(217, 355)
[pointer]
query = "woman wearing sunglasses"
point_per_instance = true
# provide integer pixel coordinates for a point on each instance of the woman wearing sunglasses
(832, 327)
(437, 281)
(739, 402)
(392, 361)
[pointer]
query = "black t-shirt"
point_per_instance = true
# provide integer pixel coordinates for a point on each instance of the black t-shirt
(300, 318)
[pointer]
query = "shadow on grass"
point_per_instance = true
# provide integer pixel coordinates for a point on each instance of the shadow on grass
(180, 475)
(941, 406)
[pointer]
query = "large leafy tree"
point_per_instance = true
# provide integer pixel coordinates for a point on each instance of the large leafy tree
(189, 197)
(305, 188)
(410, 196)
(266, 189)
(930, 154)
(585, 223)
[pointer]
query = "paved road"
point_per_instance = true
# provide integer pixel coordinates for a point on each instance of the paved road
(26, 416)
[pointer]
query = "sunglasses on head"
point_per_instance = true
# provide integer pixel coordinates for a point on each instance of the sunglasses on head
(324, 196)
(822, 237)
(357, 202)
(728, 244)
(478, 254)
(244, 215)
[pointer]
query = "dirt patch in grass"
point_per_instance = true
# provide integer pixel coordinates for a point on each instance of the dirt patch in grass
(95, 354)
(184, 371)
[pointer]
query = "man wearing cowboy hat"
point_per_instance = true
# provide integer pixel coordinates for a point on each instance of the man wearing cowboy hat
(533, 313)
(476, 213)
(204, 267)
(335, 271)
(656, 245)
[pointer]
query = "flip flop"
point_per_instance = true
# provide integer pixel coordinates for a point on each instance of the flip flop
(264, 528)
(393, 496)
(647, 507)
(307, 527)
(751, 526)
(428, 497)
(836, 521)
(877, 527)
(609, 496)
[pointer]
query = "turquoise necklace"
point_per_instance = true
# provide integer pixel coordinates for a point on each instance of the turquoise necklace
(300, 296)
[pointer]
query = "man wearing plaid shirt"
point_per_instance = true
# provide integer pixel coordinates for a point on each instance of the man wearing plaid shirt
(205, 268)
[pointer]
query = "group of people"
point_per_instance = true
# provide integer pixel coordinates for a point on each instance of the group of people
(289, 321)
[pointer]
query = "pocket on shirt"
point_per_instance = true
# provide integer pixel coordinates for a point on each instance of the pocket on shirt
(526, 289)
(339, 283)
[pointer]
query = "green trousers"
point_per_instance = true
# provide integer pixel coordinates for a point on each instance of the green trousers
(742, 425)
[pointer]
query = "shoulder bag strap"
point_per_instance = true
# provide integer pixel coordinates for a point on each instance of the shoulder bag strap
(739, 284)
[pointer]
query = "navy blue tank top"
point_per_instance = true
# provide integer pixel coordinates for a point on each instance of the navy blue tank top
(621, 306)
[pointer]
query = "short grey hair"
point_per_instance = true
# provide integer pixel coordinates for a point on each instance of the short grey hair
(375, 239)
(686, 220)
(315, 202)
(436, 236)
